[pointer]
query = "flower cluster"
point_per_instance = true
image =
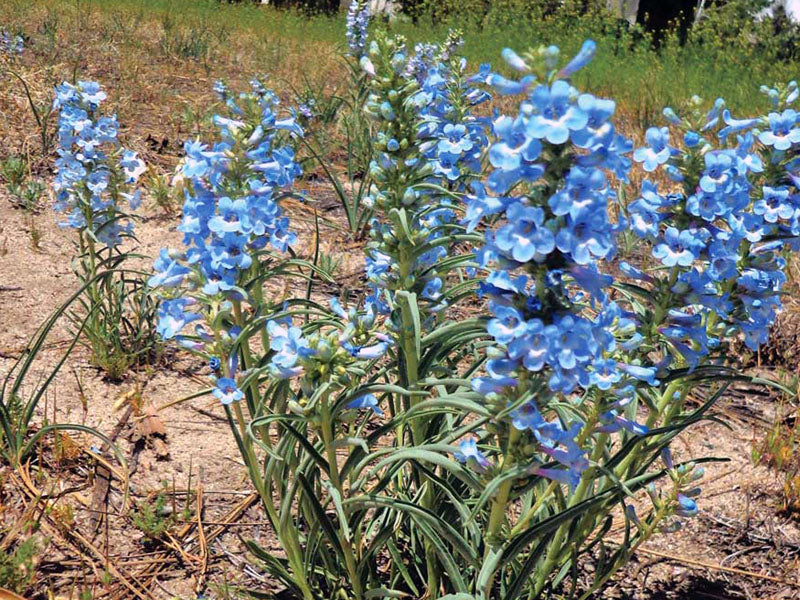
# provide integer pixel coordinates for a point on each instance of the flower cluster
(551, 313)
(455, 138)
(93, 174)
(231, 213)
(397, 171)
(428, 141)
(11, 45)
(358, 14)
(431, 55)
(721, 230)
(333, 355)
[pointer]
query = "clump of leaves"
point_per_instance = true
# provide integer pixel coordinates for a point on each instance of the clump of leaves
(155, 518)
(779, 450)
(161, 193)
(14, 171)
(17, 567)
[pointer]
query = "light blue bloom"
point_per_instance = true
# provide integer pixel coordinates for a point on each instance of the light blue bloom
(469, 453)
(556, 113)
(657, 152)
(366, 401)
(226, 391)
(782, 132)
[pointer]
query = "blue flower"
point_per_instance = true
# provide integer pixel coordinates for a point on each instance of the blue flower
(586, 238)
(657, 152)
(290, 348)
(679, 247)
(735, 125)
(132, 165)
(583, 191)
(367, 352)
(525, 236)
(366, 401)
(782, 132)
(509, 87)
(468, 453)
(513, 155)
(686, 506)
(507, 325)
(581, 59)
(169, 272)
(173, 316)
(646, 374)
(480, 205)
(775, 204)
(719, 172)
(644, 212)
(358, 14)
(556, 113)
(604, 373)
(492, 385)
(88, 150)
(226, 391)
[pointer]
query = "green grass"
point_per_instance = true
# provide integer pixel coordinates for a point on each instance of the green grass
(219, 35)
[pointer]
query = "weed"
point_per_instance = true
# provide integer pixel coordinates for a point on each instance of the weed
(14, 170)
(194, 42)
(42, 111)
(779, 450)
(329, 265)
(122, 332)
(161, 193)
(155, 518)
(18, 567)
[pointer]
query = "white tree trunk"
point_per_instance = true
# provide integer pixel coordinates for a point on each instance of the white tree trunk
(627, 9)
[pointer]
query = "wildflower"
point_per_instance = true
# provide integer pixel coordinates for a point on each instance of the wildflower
(657, 151)
(782, 132)
(514, 61)
(468, 453)
(555, 113)
(88, 155)
(173, 316)
(358, 15)
(226, 391)
(290, 347)
(366, 401)
(679, 247)
(581, 59)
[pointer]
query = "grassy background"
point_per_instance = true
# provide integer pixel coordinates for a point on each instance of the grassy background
(230, 39)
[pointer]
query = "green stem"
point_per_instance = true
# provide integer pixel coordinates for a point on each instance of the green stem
(555, 548)
(525, 520)
(253, 394)
(645, 534)
(327, 426)
(287, 536)
(497, 516)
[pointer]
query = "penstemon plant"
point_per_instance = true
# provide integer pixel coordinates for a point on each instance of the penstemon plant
(401, 449)
(352, 186)
(95, 178)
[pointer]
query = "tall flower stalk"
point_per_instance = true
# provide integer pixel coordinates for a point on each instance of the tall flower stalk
(95, 185)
